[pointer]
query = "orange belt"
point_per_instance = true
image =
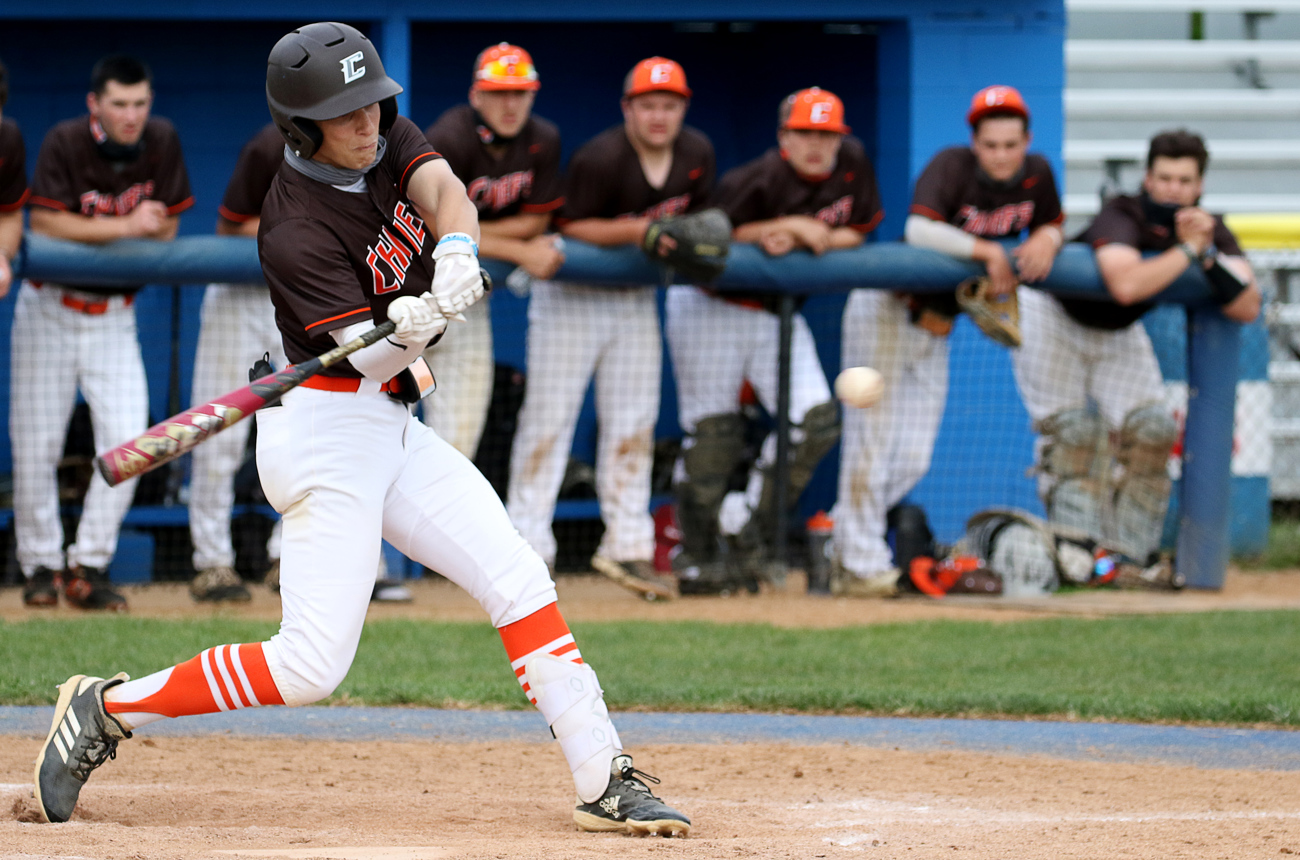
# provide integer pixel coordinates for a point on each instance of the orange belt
(92, 307)
(344, 383)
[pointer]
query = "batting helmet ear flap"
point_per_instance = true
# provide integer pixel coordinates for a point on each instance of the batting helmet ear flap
(387, 114)
(303, 136)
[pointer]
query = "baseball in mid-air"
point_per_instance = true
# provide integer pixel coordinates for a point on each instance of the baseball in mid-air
(860, 387)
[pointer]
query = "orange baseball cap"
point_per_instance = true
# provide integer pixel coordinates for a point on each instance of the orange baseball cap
(505, 67)
(656, 75)
(814, 109)
(997, 99)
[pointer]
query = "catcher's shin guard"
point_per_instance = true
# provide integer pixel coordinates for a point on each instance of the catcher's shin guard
(570, 698)
(709, 457)
(1075, 458)
(1142, 489)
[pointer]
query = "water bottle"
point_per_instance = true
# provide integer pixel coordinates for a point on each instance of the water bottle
(820, 549)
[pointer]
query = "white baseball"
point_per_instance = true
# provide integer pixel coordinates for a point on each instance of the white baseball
(860, 387)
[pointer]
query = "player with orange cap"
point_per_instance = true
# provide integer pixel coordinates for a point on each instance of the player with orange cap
(815, 191)
(649, 166)
(966, 200)
(509, 160)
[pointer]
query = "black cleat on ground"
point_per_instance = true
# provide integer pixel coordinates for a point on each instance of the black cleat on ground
(82, 737)
(88, 588)
(627, 806)
(42, 589)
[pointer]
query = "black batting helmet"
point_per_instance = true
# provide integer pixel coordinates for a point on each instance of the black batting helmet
(323, 71)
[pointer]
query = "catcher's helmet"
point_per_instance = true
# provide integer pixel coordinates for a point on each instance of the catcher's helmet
(323, 71)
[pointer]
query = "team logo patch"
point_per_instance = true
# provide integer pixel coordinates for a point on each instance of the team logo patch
(351, 71)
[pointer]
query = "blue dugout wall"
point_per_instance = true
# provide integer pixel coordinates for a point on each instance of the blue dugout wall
(906, 70)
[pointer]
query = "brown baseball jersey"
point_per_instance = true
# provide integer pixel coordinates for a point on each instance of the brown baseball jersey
(525, 178)
(72, 176)
(1123, 221)
(951, 190)
(13, 167)
(606, 180)
(336, 258)
(259, 161)
(768, 187)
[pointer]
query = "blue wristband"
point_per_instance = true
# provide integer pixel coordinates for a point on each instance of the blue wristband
(460, 237)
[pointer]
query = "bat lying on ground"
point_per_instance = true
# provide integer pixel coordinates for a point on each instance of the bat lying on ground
(179, 434)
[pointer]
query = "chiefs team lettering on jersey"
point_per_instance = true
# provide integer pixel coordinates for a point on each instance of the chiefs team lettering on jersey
(496, 194)
(97, 203)
(395, 247)
(1002, 221)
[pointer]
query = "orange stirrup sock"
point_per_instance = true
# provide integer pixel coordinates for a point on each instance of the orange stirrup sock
(224, 678)
(543, 632)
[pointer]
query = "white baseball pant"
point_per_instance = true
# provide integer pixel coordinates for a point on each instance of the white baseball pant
(238, 327)
(347, 469)
(464, 368)
(573, 332)
(54, 351)
(885, 449)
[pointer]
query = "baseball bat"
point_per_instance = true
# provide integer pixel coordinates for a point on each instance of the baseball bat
(179, 434)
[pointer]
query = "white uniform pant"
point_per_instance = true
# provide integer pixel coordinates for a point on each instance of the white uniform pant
(462, 364)
(717, 345)
(885, 449)
(238, 328)
(55, 351)
(1061, 364)
(346, 470)
(573, 332)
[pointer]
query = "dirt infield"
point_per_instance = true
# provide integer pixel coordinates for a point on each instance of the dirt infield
(215, 797)
(225, 797)
(592, 598)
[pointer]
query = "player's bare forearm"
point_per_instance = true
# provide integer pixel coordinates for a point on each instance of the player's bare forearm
(168, 230)
(1245, 307)
(1131, 279)
(1034, 256)
(525, 225)
(11, 232)
(843, 238)
(240, 228)
(78, 228)
(440, 199)
(607, 231)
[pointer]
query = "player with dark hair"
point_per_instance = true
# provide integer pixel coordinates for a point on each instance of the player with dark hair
(1087, 371)
(364, 222)
(816, 191)
(966, 199)
(114, 174)
(620, 182)
(509, 160)
(13, 186)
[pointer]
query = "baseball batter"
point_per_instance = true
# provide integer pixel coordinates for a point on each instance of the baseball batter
(114, 174)
(13, 187)
(618, 183)
(509, 160)
(965, 200)
(238, 328)
(816, 191)
(363, 222)
(1087, 370)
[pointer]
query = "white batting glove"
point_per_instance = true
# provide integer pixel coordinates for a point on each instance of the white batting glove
(418, 322)
(457, 283)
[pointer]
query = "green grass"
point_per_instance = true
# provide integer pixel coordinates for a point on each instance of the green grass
(1283, 550)
(1217, 667)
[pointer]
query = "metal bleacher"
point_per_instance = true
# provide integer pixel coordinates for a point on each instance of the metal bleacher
(1229, 70)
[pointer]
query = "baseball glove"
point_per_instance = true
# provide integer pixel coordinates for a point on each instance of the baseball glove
(694, 245)
(997, 316)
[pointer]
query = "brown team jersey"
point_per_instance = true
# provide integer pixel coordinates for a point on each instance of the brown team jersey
(336, 258)
(951, 190)
(72, 176)
(768, 187)
(524, 179)
(13, 167)
(1123, 221)
(259, 161)
(606, 180)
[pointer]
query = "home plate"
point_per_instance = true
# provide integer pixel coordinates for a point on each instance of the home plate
(368, 852)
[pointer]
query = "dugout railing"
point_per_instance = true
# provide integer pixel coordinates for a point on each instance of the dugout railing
(1213, 342)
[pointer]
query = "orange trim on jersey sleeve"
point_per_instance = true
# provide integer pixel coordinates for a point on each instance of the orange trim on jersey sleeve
(1058, 220)
(48, 203)
(311, 326)
(870, 225)
(10, 207)
(539, 208)
(918, 209)
(180, 207)
(407, 172)
(234, 217)
(560, 222)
